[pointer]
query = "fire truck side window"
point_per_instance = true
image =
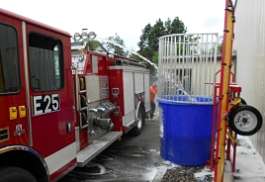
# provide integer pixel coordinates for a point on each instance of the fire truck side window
(9, 68)
(46, 62)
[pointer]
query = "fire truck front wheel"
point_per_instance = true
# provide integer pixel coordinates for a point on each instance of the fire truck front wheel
(140, 123)
(15, 174)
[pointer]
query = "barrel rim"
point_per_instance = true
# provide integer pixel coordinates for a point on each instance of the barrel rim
(178, 102)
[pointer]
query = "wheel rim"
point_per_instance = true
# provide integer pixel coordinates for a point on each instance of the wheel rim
(245, 121)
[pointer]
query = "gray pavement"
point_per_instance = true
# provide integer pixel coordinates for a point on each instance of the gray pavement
(133, 159)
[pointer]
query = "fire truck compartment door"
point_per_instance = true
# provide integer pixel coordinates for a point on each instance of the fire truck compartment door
(139, 82)
(97, 88)
(92, 86)
(128, 90)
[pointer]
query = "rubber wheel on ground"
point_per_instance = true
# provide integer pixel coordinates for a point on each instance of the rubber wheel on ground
(15, 174)
(137, 130)
(245, 120)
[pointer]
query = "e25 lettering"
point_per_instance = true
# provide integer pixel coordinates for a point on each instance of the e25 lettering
(44, 104)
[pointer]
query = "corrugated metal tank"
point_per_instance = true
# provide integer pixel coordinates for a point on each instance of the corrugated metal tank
(250, 45)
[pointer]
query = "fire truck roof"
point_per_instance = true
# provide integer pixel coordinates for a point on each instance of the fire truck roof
(28, 20)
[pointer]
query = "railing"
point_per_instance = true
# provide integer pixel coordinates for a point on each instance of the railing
(187, 62)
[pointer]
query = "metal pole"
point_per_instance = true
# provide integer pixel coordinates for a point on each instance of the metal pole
(224, 87)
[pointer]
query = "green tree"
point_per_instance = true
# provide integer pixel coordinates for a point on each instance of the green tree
(149, 39)
(93, 45)
(175, 26)
(115, 45)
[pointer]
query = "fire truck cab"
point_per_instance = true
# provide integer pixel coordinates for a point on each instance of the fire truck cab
(54, 118)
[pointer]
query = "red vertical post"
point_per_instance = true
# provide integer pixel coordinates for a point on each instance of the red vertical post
(228, 149)
(234, 155)
(213, 132)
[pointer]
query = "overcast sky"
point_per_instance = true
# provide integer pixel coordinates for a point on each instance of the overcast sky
(127, 18)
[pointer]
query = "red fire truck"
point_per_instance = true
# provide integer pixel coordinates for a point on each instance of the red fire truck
(54, 118)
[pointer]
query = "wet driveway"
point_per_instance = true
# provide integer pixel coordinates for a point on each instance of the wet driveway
(130, 160)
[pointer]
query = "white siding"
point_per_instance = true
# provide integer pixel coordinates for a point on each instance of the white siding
(138, 82)
(128, 90)
(250, 45)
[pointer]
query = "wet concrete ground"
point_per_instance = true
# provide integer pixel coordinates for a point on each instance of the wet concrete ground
(134, 159)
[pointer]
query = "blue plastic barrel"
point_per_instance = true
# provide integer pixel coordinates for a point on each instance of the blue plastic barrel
(186, 129)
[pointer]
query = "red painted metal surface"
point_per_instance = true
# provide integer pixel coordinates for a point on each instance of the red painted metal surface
(53, 125)
(234, 156)
(212, 161)
(116, 82)
(103, 65)
(231, 146)
(83, 138)
(103, 62)
(49, 131)
(17, 99)
(19, 18)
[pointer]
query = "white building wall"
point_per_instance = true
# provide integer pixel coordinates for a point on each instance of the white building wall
(250, 45)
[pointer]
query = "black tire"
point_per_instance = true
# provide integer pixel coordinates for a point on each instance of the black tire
(137, 130)
(15, 174)
(243, 101)
(236, 120)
